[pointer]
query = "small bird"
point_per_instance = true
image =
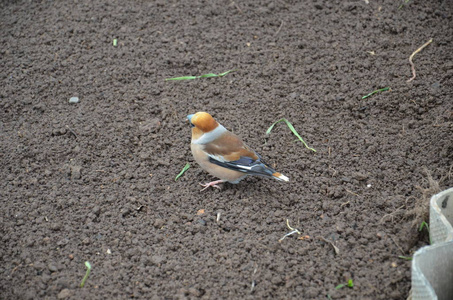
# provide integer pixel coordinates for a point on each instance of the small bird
(223, 154)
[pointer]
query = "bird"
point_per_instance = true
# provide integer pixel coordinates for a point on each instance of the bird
(223, 154)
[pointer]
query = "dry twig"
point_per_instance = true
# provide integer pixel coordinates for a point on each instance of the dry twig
(399, 247)
(279, 28)
(392, 215)
(294, 230)
(218, 217)
(412, 56)
(237, 6)
(72, 131)
(337, 251)
(253, 278)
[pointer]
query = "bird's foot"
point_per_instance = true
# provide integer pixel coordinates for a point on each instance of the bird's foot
(212, 183)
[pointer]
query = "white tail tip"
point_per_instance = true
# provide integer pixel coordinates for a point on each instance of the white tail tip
(280, 176)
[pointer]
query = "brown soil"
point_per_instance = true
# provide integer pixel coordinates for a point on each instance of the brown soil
(94, 181)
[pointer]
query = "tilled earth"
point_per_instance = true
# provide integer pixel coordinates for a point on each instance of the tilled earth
(95, 180)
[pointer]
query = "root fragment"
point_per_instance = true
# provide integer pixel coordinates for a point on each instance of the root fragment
(412, 56)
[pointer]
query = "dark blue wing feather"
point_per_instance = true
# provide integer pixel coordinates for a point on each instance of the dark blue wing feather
(246, 165)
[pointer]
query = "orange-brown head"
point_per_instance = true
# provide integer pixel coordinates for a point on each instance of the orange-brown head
(203, 122)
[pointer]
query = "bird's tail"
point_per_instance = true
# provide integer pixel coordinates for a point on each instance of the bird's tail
(280, 176)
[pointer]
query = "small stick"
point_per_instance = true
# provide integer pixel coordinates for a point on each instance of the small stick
(287, 224)
(253, 280)
(401, 249)
(279, 28)
(253, 286)
(391, 214)
(337, 251)
(72, 131)
(412, 56)
(343, 204)
(294, 230)
(351, 192)
(218, 217)
(237, 6)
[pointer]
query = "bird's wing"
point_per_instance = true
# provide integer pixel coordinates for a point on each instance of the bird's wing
(230, 152)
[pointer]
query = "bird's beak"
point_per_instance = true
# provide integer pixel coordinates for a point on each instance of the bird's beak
(189, 117)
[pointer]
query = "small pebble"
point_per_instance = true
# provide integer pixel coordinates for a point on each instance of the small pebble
(52, 268)
(159, 223)
(360, 176)
(76, 172)
(65, 293)
(74, 100)
(157, 260)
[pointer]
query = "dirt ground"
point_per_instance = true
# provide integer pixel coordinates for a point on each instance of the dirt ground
(95, 180)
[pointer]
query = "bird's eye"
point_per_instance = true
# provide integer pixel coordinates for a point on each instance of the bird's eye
(191, 125)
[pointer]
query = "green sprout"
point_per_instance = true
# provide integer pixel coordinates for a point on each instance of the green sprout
(350, 284)
(186, 167)
(404, 3)
(291, 127)
(376, 91)
(422, 225)
(202, 76)
(405, 257)
(88, 265)
(115, 42)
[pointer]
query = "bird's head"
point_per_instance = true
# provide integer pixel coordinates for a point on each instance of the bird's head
(202, 121)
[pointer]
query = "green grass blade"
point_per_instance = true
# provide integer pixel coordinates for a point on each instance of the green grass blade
(88, 265)
(376, 91)
(182, 78)
(224, 73)
(405, 257)
(272, 126)
(422, 225)
(186, 167)
(208, 75)
(350, 284)
(202, 76)
(404, 3)
(291, 127)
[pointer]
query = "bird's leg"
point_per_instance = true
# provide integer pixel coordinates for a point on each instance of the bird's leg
(212, 183)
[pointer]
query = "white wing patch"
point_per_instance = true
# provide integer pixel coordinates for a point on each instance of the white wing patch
(220, 158)
(217, 157)
(244, 167)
